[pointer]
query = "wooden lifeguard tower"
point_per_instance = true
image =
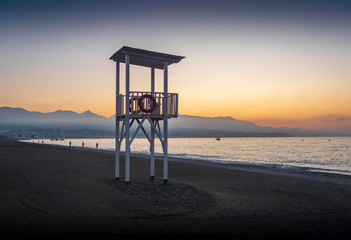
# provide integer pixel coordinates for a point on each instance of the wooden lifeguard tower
(146, 106)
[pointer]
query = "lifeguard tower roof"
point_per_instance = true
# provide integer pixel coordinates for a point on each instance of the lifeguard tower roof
(145, 58)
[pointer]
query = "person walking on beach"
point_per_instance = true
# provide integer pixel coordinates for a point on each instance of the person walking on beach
(97, 145)
(70, 143)
(82, 144)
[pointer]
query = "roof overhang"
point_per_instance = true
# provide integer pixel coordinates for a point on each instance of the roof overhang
(145, 58)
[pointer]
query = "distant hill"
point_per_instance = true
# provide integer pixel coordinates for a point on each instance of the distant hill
(228, 126)
(10, 117)
(14, 119)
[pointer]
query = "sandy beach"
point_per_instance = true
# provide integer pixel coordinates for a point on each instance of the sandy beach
(52, 192)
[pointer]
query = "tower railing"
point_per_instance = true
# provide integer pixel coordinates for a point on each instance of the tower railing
(147, 103)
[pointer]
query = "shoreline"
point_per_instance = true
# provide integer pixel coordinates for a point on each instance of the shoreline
(304, 172)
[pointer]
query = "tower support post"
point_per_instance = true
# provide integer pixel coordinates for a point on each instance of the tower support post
(127, 127)
(152, 144)
(117, 140)
(165, 123)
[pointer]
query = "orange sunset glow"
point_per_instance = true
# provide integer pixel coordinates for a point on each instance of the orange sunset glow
(272, 71)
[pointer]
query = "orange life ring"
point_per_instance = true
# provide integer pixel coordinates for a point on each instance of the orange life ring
(135, 98)
(140, 103)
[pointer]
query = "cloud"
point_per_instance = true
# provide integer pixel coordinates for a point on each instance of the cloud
(344, 119)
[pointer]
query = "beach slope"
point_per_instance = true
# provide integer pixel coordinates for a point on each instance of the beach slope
(53, 192)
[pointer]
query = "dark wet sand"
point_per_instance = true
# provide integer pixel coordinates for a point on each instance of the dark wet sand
(49, 192)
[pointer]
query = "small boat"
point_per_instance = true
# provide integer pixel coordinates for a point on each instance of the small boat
(218, 139)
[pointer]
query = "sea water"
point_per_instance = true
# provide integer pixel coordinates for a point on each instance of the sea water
(312, 154)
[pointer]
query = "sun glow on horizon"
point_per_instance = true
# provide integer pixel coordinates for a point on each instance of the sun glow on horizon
(274, 71)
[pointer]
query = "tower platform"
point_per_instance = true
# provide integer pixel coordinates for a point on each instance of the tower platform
(137, 104)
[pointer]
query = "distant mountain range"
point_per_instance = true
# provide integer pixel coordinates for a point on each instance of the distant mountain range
(10, 117)
(18, 119)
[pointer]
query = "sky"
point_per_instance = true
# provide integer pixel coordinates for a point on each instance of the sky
(276, 63)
